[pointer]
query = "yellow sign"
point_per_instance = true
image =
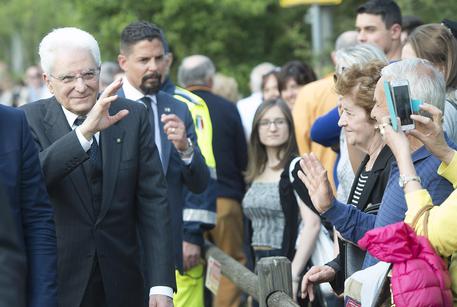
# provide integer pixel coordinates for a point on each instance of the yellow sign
(287, 3)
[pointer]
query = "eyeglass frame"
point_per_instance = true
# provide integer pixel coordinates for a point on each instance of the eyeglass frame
(278, 122)
(82, 75)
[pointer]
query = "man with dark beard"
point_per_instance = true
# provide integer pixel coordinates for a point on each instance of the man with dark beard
(142, 57)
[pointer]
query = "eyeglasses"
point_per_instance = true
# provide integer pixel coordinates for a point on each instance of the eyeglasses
(87, 75)
(266, 123)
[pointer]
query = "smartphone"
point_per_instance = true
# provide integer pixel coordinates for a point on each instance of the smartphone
(391, 105)
(402, 102)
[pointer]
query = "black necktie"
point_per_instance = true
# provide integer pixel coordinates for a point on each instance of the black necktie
(147, 102)
(154, 120)
(93, 169)
(94, 151)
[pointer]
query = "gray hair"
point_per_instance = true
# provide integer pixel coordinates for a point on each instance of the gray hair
(426, 83)
(255, 79)
(358, 54)
(66, 39)
(195, 70)
(346, 39)
(108, 71)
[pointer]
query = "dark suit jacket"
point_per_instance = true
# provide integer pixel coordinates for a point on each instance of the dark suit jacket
(376, 182)
(229, 144)
(13, 262)
(133, 198)
(22, 180)
(194, 176)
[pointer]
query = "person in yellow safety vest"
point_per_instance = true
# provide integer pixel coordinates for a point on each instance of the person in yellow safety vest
(199, 213)
(203, 126)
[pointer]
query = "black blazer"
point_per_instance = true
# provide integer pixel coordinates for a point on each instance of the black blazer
(194, 176)
(134, 201)
(376, 182)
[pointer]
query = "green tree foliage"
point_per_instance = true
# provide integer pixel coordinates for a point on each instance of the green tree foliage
(31, 20)
(236, 34)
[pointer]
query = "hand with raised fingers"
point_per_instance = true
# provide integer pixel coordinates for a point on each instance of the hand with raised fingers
(175, 130)
(314, 176)
(430, 132)
(99, 118)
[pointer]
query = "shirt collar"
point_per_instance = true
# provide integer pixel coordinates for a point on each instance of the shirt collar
(70, 117)
(132, 93)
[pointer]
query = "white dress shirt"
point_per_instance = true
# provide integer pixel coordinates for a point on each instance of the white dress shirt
(247, 108)
(133, 94)
(71, 117)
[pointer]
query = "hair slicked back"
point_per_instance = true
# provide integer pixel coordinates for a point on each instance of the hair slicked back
(141, 30)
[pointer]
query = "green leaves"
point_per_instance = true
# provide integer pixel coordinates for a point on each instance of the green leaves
(236, 34)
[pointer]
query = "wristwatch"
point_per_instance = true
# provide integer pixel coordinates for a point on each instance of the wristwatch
(186, 154)
(403, 180)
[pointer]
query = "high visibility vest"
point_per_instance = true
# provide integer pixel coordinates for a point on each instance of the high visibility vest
(203, 126)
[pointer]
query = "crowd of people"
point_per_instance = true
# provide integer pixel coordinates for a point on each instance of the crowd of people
(116, 176)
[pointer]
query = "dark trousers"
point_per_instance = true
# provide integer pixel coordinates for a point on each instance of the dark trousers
(95, 294)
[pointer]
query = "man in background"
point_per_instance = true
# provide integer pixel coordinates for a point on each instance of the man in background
(316, 99)
(143, 59)
(196, 73)
(378, 22)
(247, 106)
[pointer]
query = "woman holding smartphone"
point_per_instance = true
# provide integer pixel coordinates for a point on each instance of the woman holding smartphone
(441, 221)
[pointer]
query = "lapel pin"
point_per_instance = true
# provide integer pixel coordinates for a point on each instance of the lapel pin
(118, 140)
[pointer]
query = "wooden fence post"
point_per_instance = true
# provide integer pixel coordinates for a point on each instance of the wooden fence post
(273, 283)
(274, 275)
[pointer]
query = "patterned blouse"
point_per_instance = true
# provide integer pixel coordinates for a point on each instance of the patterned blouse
(262, 206)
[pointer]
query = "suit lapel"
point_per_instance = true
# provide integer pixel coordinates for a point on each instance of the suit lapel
(56, 126)
(162, 104)
(369, 185)
(378, 166)
(111, 141)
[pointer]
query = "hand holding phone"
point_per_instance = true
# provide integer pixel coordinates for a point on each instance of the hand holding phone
(399, 103)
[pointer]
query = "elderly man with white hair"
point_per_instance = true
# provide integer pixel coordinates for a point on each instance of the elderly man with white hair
(105, 181)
